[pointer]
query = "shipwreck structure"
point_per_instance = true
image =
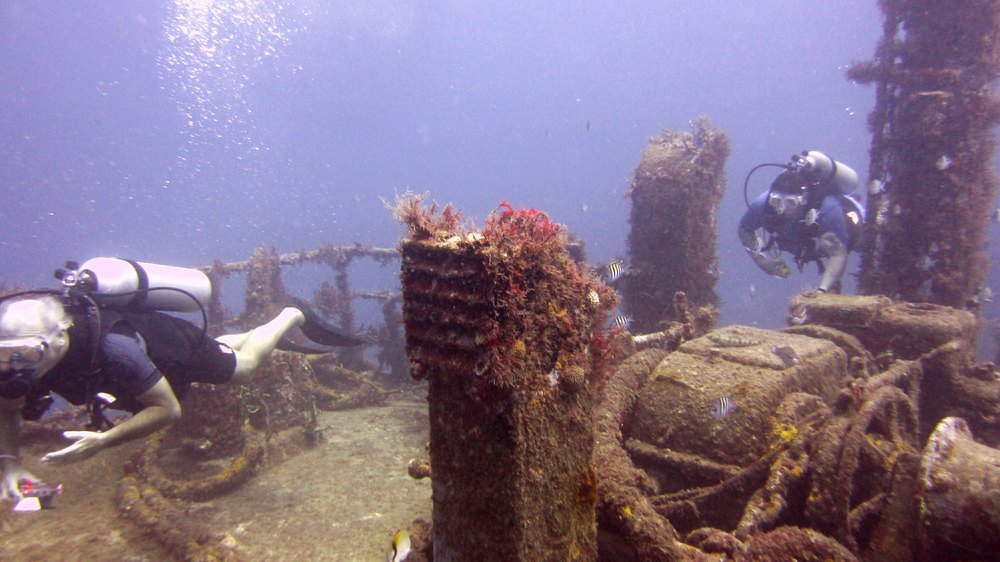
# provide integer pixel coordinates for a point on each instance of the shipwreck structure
(819, 453)
(822, 453)
(675, 193)
(507, 330)
(931, 182)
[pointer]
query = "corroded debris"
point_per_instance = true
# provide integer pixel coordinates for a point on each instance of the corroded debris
(736, 363)
(959, 485)
(184, 540)
(821, 456)
(147, 467)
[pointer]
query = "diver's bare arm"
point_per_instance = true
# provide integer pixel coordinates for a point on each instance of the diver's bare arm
(11, 470)
(160, 409)
(835, 249)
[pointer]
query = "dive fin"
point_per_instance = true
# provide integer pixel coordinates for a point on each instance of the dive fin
(319, 331)
(295, 340)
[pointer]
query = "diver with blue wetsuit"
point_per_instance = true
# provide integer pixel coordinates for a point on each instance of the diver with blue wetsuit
(808, 213)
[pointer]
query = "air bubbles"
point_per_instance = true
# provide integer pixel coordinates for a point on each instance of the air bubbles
(212, 52)
(943, 163)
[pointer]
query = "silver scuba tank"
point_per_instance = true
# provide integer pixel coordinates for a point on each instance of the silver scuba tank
(131, 284)
(827, 169)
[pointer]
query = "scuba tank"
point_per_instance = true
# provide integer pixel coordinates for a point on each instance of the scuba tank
(133, 285)
(826, 169)
(818, 167)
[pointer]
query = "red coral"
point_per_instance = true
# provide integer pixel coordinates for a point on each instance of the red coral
(520, 224)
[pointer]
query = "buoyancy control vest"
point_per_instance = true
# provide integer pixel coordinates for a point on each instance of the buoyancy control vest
(799, 238)
(78, 377)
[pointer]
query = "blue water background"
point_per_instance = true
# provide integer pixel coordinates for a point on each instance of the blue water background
(183, 132)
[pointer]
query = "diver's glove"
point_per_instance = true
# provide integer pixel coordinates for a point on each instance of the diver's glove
(770, 265)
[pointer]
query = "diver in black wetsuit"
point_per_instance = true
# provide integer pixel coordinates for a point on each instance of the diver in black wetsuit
(142, 360)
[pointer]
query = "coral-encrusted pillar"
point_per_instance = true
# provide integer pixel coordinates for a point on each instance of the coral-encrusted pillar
(932, 180)
(675, 194)
(505, 327)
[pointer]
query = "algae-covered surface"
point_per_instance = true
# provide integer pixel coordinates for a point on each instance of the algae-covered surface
(340, 500)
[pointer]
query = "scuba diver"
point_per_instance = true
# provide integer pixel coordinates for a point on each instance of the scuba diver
(103, 342)
(807, 212)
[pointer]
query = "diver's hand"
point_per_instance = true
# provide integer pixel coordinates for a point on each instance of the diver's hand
(87, 444)
(773, 266)
(13, 474)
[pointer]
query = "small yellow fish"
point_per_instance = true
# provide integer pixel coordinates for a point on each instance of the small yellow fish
(400, 546)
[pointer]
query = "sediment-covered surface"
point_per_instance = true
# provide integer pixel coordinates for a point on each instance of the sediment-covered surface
(341, 500)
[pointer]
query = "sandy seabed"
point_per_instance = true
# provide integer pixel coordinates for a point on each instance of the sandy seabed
(341, 500)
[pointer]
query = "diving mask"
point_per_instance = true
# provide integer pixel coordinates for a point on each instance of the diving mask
(22, 354)
(19, 360)
(783, 203)
(25, 353)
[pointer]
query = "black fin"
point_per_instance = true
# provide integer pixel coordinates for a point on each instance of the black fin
(295, 340)
(320, 331)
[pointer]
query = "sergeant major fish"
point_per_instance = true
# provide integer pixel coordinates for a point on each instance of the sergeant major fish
(722, 407)
(621, 321)
(615, 269)
(593, 297)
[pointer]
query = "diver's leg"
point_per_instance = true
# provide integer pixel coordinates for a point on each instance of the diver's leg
(261, 341)
(234, 341)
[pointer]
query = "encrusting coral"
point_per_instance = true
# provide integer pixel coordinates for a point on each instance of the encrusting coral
(932, 183)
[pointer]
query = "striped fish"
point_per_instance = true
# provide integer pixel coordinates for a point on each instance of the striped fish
(615, 269)
(621, 321)
(722, 407)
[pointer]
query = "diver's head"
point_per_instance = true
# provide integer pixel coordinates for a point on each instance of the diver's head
(789, 194)
(33, 339)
